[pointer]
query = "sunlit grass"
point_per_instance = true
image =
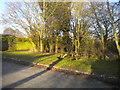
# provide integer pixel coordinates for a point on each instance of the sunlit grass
(83, 64)
(75, 65)
(23, 46)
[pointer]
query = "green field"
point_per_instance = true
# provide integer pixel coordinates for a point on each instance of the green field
(23, 46)
(83, 64)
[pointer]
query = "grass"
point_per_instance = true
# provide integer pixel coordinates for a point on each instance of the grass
(83, 64)
(106, 67)
(23, 46)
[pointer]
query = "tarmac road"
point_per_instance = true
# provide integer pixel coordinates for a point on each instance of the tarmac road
(20, 76)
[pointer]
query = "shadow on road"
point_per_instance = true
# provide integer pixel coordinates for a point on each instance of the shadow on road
(13, 85)
(7, 69)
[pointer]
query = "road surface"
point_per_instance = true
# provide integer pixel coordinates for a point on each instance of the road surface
(20, 76)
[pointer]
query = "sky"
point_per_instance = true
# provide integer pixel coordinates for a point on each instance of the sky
(3, 9)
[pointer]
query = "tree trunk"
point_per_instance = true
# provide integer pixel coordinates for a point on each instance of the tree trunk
(41, 44)
(34, 47)
(51, 48)
(103, 46)
(56, 46)
(117, 41)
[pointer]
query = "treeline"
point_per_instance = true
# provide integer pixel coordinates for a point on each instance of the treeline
(83, 28)
(12, 43)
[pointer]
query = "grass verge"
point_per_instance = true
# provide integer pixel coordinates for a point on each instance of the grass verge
(110, 68)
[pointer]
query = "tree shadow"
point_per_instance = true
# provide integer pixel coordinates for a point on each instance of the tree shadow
(106, 67)
(106, 71)
(7, 69)
(13, 85)
(43, 55)
(54, 63)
